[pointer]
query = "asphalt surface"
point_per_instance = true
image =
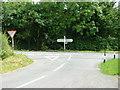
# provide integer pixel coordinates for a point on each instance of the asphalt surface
(60, 70)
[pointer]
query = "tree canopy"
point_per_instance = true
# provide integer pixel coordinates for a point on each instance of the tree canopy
(92, 25)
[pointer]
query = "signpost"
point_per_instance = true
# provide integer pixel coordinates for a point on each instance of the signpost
(12, 34)
(65, 41)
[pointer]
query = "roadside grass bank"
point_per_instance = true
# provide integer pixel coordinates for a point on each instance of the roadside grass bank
(10, 61)
(69, 51)
(110, 67)
(14, 62)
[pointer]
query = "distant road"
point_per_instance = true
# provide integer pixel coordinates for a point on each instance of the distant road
(60, 70)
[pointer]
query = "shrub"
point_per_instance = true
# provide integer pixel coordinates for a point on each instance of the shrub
(6, 50)
(44, 48)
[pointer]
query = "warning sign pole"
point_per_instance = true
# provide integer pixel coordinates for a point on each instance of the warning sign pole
(11, 34)
(12, 44)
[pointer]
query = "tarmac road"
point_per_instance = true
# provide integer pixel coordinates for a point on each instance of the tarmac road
(60, 70)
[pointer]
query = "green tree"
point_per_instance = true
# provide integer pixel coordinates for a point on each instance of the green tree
(92, 25)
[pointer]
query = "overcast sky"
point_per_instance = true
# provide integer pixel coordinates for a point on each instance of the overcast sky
(36, 0)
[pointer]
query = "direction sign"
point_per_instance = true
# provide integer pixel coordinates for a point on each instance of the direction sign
(65, 41)
(12, 33)
(60, 40)
(69, 40)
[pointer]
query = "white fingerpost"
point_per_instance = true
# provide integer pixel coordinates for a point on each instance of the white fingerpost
(65, 41)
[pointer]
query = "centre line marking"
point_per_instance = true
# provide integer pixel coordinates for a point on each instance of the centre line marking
(69, 57)
(31, 82)
(59, 67)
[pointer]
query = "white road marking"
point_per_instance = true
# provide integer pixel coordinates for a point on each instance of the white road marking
(31, 82)
(59, 67)
(69, 57)
(51, 57)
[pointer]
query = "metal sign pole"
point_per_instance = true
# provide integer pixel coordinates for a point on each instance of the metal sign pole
(64, 42)
(13, 44)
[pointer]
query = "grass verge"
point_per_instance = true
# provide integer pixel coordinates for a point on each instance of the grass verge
(14, 62)
(110, 67)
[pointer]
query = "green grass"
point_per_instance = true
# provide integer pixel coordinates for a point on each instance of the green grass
(110, 67)
(14, 62)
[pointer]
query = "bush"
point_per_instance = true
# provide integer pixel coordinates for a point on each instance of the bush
(44, 48)
(6, 50)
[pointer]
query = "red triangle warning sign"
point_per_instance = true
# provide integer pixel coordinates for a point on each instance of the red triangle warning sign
(11, 33)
